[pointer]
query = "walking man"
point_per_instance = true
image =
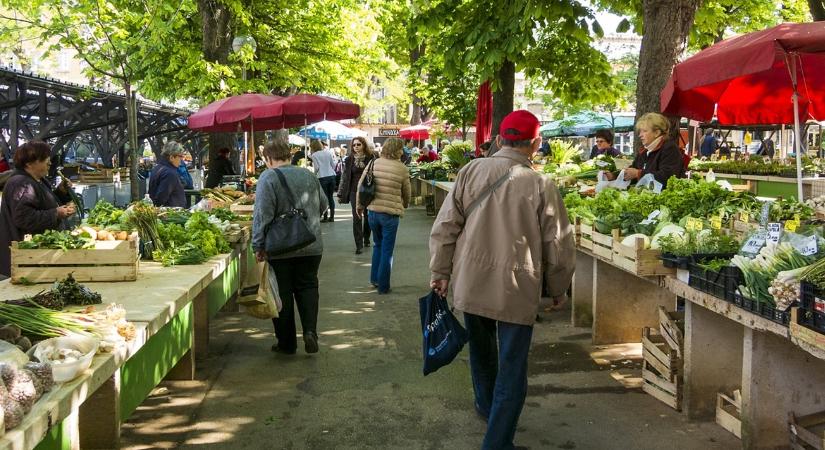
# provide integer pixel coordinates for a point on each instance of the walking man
(502, 230)
(323, 162)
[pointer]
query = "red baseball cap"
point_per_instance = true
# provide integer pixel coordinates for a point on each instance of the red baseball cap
(519, 125)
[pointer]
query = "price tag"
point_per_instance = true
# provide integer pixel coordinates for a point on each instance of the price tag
(744, 216)
(808, 247)
(724, 158)
(791, 225)
(774, 232)
(716, 223)
(766, 213)
(694, 224)
(754, 243)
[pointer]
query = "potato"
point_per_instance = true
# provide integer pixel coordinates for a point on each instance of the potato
(103, 235)
(122, 236)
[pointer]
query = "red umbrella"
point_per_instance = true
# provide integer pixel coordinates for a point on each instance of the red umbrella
(484, 115)
(417, 132)
(306, 108)
(774, 76)
(225, 115)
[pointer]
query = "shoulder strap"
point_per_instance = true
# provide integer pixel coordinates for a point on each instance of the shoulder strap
(487, 192)
(289, 194)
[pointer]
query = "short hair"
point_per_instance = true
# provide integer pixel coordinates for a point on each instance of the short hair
(521, 143)
(277, 150)
(316, 146)
(605, 134)
(654, 121)
(31, 152)
(393, 148)
(485, 146)
(709, 131)
(171, 149)
(223, 151)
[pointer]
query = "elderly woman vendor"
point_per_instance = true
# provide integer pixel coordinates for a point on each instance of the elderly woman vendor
(660, 155)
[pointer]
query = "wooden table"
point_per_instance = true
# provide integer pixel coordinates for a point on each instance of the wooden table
(171, 308)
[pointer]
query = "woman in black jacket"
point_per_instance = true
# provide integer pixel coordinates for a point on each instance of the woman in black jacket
(29, 206)
(218, 168)
(660, 155)
(359, 157)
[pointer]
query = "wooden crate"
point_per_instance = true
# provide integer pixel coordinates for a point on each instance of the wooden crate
(603, 245)
(586, 236)
(242, 209)
(672, 329)
(807, 432)
(637, 259)
(103, 176)
(661, 370)
(108, 261)
(729, 413)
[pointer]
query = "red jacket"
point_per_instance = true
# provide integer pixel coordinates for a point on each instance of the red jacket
(4, 166)
(428, 157)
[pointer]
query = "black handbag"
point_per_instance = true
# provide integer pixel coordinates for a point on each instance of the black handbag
(288, 231)
(366, 190)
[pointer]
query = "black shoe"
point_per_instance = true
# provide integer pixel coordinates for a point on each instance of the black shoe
(388, 291)
(311, 342)
(277, 349)
(366, 243)
(358, 251)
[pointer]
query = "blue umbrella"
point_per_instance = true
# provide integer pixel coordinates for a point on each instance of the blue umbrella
(330, 130)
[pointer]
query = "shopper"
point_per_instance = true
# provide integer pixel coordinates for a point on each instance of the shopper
(165, 187)
(29, 205)
(360, 156)
(708, 147)
(323, 162)
(604, 144)
(296, 272)
(495, 250)
(660, 155)
(392, 196)
(219, 168)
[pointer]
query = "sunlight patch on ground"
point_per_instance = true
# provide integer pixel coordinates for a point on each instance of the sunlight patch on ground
(340, 346)
(335, 332)
(366, 303)
(359, 292)
(620, 358)
(345, 311)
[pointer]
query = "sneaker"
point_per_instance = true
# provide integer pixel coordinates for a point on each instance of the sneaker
(311, 342)
(358, 251)
(277, 349)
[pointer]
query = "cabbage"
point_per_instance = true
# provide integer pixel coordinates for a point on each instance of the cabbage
(667, 230)
(630, 241)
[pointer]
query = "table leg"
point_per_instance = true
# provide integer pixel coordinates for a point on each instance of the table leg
(201, 307)
(582, 301)
(778, 378)
(623, 305)
(713, 359)
(100, 416)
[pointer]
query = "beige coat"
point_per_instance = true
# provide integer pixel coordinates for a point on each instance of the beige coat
(392, 187)
(496, 258)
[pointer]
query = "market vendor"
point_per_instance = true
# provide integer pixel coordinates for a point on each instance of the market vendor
(165, 187)
(660, 155)
(219, 168)
(29, 205)
(604, 144)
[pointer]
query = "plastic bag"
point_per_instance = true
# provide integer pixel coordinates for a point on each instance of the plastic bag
(619, 183)
(267, 302)
(250, 285)
(444, 337)
(649, 181)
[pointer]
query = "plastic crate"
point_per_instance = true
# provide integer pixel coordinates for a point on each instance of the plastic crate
(675, 262)
(722, 284)
(812, 307)
(762, 309)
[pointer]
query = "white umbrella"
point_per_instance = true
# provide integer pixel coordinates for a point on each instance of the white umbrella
(294, 139)
(328, 129)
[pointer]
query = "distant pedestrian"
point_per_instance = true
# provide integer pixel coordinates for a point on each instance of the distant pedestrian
(501, 231)
(428, 155)
(323, 162)
(360, 156)
(296, 272)
(708, 146)
(392, 197)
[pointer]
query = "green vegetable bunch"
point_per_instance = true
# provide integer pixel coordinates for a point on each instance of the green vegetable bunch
(104, 214)
(58, 240)
(224, 214)
(790, 209)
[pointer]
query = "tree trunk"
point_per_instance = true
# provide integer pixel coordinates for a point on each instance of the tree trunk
(216, 26)
(415, 55)
(817, 9)
(667, 26)
(503, 97)
(132, 142)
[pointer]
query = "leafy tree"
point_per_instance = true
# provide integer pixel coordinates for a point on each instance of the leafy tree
(452, 97)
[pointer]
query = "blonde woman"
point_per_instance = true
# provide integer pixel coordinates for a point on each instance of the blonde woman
(360, 156)
(660, 156)
(392, 196)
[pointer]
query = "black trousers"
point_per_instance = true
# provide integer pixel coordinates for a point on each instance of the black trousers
(360, 225)
(328, 186)
(297, 284)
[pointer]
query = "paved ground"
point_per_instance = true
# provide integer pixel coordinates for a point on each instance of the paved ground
(364, 390)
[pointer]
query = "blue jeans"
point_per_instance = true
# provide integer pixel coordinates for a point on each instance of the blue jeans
(498, 364)
(384, 228)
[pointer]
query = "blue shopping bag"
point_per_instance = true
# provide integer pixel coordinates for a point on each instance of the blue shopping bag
(444, 337)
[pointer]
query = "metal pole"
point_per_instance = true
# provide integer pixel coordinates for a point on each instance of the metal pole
(797, 135)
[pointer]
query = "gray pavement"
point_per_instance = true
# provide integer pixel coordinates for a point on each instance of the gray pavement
(365, 390)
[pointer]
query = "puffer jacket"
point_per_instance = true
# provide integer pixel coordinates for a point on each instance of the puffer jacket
(392, 187)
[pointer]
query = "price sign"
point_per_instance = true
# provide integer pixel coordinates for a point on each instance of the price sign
(791, 225)
(694, 224)
(754, 243)
(724, 158)
(745, 216)
(808, 247)
(716, 223)
(774, 232)
(766, 213)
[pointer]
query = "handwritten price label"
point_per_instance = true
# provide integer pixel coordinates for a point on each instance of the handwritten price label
(745, 217)
(755, 243)
(791, 225)
(774, 232)
(716, 223)
(809, 247)
(694, 224)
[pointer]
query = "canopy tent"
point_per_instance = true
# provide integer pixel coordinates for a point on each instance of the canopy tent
(294, 139)
(772, 76)
(301, 109)
(328, 129)
(586, 124)
(417, 132)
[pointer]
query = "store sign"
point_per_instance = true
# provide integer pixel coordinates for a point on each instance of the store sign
(388, 132)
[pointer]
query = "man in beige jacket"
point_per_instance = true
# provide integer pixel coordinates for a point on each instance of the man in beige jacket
(501, 231)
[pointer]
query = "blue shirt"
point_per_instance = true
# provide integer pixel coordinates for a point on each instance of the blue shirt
(185, 178)
(708, 145)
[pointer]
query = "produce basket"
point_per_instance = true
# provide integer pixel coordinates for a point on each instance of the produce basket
(812, 307)
(637, 259)
(586, 236)
(108, 261)
(807, 431)
(720, 284)
(675, 262)
(763, 309)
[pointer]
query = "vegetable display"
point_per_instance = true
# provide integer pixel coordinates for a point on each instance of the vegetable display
(57, 240)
